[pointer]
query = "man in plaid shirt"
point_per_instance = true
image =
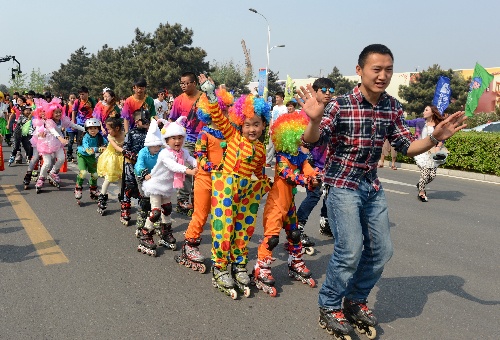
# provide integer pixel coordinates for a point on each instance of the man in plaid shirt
(355, 126)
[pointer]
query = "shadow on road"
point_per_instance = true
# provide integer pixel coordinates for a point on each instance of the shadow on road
(405, 297)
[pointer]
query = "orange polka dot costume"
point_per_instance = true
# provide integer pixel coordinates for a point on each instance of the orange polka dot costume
(235, 194)
(292, 169)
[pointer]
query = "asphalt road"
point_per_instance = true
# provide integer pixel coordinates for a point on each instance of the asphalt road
(77, 275)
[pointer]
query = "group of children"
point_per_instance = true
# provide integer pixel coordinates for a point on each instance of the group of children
(149, 163)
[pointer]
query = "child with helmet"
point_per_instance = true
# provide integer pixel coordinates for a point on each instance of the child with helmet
(89, 145)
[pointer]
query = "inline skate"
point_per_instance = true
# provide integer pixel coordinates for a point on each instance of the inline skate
(307, 244)
(185, 208)
(27, 180)
(298, 270)
(361, 317)
(147, 245)
(102, 203)
(223, 281)
(241, 279)
(262, 277)
(191, 256)
(94, 192)
(19, 158)
(125, 213)
(335, 323)
(324, 227)
(54, 179)
(11, 160)
(39, 184)
(166, 238)
(78, 194)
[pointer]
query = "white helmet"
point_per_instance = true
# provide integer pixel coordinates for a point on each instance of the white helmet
(92, 122)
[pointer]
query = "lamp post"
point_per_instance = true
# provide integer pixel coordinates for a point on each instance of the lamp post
(268, 50)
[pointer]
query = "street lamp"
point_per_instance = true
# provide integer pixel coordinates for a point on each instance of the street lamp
(268, 50)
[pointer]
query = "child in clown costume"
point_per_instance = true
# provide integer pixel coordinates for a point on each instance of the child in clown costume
(292, 169)
(167, 175)
(209, 149)
(235, 195)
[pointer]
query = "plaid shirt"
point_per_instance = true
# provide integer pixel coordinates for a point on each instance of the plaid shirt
(355, 131)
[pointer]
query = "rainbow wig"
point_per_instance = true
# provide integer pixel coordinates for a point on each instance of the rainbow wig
(286, 132)
(246, 107)
(224, 98)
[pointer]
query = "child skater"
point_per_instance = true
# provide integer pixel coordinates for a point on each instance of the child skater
(235, 195)
(166, 177)
(134, 142)
(110, 163)
(208, 150)
(146, 161)
(292, 169)
(53, 111)
(91, 143)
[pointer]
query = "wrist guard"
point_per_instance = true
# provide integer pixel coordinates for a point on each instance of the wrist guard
(209, 89)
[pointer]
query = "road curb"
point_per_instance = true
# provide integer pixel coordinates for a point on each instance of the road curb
(451, 172)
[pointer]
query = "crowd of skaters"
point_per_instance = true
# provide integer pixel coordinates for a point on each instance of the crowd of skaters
(205, 133)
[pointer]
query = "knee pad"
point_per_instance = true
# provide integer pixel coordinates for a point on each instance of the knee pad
(82, 173)
(272, 242)
(145, 204)
(294, 235)
(155, 215)
(166, 209)
(94, 176)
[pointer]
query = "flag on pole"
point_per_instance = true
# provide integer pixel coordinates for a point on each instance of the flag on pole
(261, 89)
(289, 89)
(481, 79)
(442, 94)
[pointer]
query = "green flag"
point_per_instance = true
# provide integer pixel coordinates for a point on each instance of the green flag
(481, 79)
(289, 89)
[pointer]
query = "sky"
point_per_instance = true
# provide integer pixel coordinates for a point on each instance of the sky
(317, 35)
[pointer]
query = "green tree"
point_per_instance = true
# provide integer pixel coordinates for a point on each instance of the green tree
(38, 82)
(19, 83)
(230, 74)
(69, 77)
(272, 83)
(341, 84)
(420, 93)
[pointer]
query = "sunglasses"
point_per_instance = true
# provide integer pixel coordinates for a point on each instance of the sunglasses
(324, 89)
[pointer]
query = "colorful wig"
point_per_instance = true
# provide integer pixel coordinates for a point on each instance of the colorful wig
(224, 98)
(49, 108)
(246, 107)
(40, 105)
(286, 132)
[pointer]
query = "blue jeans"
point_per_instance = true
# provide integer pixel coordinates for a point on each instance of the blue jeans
(360, 224)
(308, 204)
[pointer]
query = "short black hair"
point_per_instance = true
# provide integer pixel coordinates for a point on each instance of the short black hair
(291, 102)
(322, 82)
(280, 93)
(191, 76)
(370, 49)
(141, 82)
(84, 89)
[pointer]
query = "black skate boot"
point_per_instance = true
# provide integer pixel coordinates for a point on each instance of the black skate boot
(125, 213)
(147, 245)
(94, 192)
(262, 276)
(335, 323)
(185, 208)
(298, 270)
(307, 244)
(361, 317)
(324, 227)
(102, 203)
(167, 239)
(191, 256)
(27, 180)
(241, 279)
(223, 281)
(78, 194)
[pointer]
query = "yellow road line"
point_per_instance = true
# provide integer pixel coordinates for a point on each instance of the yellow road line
(45, 246)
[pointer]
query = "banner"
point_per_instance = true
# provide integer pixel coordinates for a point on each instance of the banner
(481, 79)
(262, 81)
(442, 94)
(289, 89)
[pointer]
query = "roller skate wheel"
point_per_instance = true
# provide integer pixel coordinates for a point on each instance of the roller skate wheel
(214, 283)
(25, 187)
(246, 292)
(202, 268)
(173, 246)
(233, 294)
(342, 337)
(190, 213)
(272, 292)
(139, 248)
(187, 264)
(177, 258)
(321, 323)
(153, 253)
(309, 250)
(78, 202)
(330, 331)
(371, 333)
(311, 283)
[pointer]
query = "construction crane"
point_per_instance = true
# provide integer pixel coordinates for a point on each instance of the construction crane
(14, 70)
(248, 63)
